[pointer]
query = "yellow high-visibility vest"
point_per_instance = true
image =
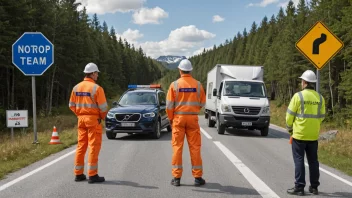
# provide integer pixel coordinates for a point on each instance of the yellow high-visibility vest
(305, 114)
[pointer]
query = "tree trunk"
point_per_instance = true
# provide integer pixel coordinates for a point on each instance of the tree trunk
(69, 90)
(51, 90)
(54, 72)
(57, 94)
(8, 89)
(13, 89)
(47, 98)
(330, 85)
(272, 95)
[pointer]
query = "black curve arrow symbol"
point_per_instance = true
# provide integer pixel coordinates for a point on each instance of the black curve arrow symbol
(317, 42)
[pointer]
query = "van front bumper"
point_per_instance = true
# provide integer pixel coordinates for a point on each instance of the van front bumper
(257, 122)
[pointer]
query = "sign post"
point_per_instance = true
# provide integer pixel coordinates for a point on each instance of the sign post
(33, 54)
(319, 45)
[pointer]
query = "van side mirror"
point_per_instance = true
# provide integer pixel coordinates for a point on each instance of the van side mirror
(214, 92)
(162, 103)
(114, 103)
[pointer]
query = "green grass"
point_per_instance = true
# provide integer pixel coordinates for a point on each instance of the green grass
(336, 153)
(20, 152)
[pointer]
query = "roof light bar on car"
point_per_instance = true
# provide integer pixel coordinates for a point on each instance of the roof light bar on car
(144, 86)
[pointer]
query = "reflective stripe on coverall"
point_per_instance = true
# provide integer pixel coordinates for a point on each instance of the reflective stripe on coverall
(304, 115)
(89, 104)
(185, 98)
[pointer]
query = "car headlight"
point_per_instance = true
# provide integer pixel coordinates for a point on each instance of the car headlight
(266, 110)
(149, 115)
(110, 115)
(225, 108)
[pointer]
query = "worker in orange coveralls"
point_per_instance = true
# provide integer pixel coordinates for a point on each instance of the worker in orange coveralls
(89, 104)
(185, 98)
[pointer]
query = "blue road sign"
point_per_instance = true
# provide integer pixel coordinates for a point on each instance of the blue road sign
(33, 54)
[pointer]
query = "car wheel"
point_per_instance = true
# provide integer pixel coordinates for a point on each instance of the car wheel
(157, 132)
(169, 129)
(210, 123)
(110, 135)
(264, 132)
(219, 127)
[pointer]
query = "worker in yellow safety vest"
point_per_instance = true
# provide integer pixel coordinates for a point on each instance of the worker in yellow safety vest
(304, 116)
(185, 98)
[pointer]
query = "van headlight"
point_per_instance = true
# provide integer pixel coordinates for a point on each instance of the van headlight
(225, 108)
(110, 115)
(149, 115)
(266, 110)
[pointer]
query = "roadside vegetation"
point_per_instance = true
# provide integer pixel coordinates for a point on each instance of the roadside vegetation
(20, 152)
(336, 153)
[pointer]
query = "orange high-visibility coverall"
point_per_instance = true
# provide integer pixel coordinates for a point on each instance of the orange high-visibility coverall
(185, 98)
(88, 102)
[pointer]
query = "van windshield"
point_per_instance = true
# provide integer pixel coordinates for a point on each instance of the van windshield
(244, 89)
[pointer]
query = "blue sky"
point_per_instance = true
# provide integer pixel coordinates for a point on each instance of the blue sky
(165, 27)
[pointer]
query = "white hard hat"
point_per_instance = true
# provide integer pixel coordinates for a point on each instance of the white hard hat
(185, 65)
(309, 76)
(90, 68)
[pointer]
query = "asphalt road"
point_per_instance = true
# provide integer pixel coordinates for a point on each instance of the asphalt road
(241, 164)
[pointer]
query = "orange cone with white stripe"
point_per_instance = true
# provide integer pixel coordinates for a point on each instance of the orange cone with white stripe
(55, 137)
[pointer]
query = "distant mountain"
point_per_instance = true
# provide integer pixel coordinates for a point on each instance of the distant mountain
(170, 62)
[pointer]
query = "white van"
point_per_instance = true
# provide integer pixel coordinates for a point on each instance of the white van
(237, 98)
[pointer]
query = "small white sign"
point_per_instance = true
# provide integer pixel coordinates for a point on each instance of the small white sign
(16, 118)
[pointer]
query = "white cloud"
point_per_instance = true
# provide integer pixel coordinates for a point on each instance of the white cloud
(190, 34)
(149, 15)
(110, 6)
(217, 18)
(181, 41)
(132, 36)
(264, 3)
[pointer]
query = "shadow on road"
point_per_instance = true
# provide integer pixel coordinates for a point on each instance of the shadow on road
(275, 134)
(128, 183)
(335, 194)
(165, 136)
(247, 133)
(218, 188)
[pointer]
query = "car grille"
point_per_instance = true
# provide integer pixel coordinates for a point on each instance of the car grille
(128, 117)
(239, 118)
(246, 110)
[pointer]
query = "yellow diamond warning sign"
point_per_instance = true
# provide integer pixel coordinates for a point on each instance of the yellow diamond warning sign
(319, 45)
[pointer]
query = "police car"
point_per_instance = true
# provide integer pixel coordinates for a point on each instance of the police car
(140, 110)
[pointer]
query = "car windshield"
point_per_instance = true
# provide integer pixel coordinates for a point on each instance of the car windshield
(244, 89)
(138, 98)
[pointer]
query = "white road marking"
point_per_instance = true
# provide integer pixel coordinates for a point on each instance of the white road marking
(255, 181)
(333, 175)
(323, 170)
(205, 133)
(3, 187)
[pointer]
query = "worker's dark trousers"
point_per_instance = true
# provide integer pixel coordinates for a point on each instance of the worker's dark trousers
(299, 147)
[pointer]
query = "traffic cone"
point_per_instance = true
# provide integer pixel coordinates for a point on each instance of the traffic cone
(55, 137)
